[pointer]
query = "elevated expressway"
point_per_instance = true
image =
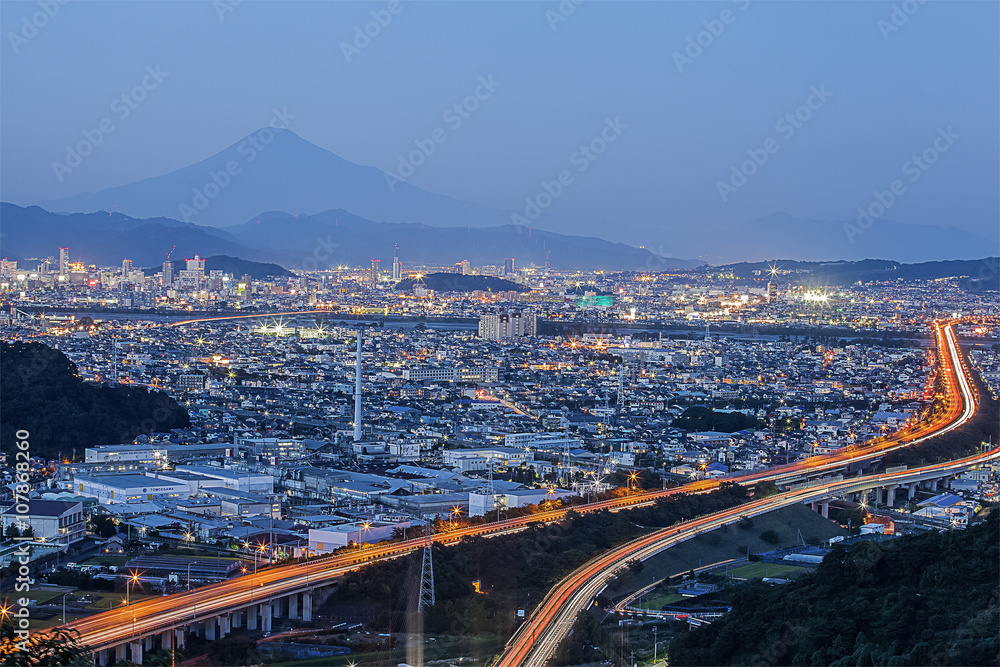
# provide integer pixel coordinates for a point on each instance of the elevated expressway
(537, 639)
(552, 620)
(289, 590)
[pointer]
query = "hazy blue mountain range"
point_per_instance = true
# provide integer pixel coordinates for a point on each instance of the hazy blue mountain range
(291, 175)
(288, 174)
(321, 241)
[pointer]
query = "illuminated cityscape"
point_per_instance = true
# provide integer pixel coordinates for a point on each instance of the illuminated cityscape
(534, 334)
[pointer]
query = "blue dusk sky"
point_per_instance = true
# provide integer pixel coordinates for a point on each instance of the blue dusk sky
(834, 100)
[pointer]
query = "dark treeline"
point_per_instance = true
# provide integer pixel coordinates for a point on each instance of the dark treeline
(921, 600)
(515, 571)
(43, 395)
(699, 418)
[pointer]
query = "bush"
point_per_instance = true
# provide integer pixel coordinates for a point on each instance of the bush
(770, 537)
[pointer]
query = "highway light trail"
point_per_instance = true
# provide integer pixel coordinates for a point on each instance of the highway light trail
(538, 638)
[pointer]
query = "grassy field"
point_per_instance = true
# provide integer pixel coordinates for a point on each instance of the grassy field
(445, 652)
(658, 602)
(117, 560)
(104, 599)
(41, 624)
(729, 542)
(761, 570)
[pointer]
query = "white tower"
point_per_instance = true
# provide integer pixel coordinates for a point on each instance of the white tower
(357, 393)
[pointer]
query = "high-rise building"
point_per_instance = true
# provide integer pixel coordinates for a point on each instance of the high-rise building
(168, 273)
(373, 276)
(466, 268)
(193, 277)
(509, 324)
(196, 264)
(126, 267)
(772, 291)
(397, 266)
(508, 265)
(63, 261)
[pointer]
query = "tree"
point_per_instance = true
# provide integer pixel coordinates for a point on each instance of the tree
(104, 526)
(54, 648)
(12, 531)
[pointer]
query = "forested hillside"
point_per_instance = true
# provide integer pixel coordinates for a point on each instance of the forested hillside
(41, 392)
(922, 600)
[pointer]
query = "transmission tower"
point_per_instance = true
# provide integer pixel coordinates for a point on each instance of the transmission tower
(426, 576)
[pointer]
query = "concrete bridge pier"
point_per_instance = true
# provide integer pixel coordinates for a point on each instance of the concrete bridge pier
(136, 650)
(210, 629)
(180, 638)
(891, 495)
(102, 658)
(912, 488)
(238, 618)
(293, 606)
(826, 509)
(307, 606)
(167, 639)
(120, 652)
(266, 616)
(225, 624)
(252, 617)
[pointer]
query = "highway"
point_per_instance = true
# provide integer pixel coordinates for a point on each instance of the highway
(538, 638)
(120, 625)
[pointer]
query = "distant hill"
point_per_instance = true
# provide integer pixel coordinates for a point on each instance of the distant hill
(234, 265)
(43, 394)
(456, 282)
(106, 239)
(321, 241)
(781, 235)
(985, 271)
(339, 237)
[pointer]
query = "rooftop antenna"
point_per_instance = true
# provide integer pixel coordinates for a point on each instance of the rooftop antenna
(357, 392)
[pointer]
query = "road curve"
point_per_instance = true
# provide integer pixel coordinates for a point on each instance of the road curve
(538, 638)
